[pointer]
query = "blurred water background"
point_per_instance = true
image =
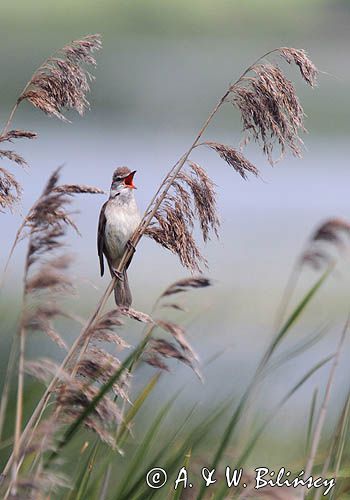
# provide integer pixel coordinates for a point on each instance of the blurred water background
(162, 68)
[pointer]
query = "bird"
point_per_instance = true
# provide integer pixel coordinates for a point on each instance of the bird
(119, 219)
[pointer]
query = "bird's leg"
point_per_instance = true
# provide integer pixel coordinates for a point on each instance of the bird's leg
(130, 246)
(118, 274)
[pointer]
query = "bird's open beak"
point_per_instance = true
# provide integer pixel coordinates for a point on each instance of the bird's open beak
(129, 180)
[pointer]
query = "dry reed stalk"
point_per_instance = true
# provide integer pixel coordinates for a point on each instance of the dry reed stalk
(340, 431)
(285, 119)
(6, 386)
(324, 407)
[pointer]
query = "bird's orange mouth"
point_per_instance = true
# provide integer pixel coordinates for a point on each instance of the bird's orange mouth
(129, 180)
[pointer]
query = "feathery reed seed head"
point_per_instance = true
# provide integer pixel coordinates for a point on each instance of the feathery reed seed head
(299, 56)
(234, 158)
(192, 196)
(17, 134)
(61, 82)
(78, 189)
(270, 109)
(47, 222)
(329, 235)
(185, 285)
(10, 190)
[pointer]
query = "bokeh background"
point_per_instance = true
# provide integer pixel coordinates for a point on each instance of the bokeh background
(161, 70)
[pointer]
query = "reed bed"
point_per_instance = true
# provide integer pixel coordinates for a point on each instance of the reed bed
(89, 392)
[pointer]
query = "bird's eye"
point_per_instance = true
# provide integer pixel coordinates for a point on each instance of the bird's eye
(117, 179)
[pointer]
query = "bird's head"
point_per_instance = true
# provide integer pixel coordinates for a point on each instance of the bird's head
(123, 181)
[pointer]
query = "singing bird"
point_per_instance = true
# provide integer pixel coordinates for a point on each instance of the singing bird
(119, 218)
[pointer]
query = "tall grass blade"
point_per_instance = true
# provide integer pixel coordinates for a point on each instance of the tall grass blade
(250, 446)
(300, 348)
(227, 435)
(80, 485)
(293, 318)
(135, 408)
(343, 435)
(337, 448)
(105, 484)
(144, 447)
(7, 383)
(311, 420)
(139, 489)
(323, 411)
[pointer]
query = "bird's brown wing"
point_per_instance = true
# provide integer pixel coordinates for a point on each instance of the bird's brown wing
(101, 236)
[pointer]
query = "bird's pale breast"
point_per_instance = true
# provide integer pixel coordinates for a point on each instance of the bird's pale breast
(121, 223)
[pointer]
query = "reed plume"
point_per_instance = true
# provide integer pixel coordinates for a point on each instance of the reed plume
(10, 188)
(192, 196)
(299, 57)
(61, 83)
(158, 348)
(330, 235)
(234, 158)
(45, 279)
(270, 110)
(321, 253)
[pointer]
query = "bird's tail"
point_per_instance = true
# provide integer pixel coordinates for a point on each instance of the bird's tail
(122, 293)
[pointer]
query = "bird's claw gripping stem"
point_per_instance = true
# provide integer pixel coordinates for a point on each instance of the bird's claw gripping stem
(131, 246)
(118, 275)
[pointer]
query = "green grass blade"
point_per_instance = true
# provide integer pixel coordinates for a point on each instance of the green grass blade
(100, 473)
(136, 406)
(80, 486)
(270, 350)
(140, 480)
(321, 417)
(299, 348)
(7, 383)
(143, 448)
(311, 420)
(290, 393)
(193, 441)
(105, 483)
(246, 452)
(226, 437)
(293, 318)
(343, 434)
(139, 489)
(342, 430)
